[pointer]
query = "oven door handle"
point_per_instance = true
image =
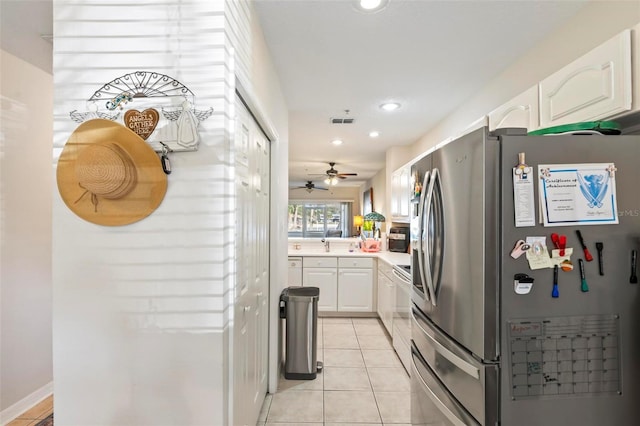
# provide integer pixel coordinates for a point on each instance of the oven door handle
(400, 277)
(446, 353)
(433, 397)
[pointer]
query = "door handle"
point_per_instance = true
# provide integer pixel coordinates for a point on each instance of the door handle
(434, 398)
(426, 241)
(439, 233)
(421, 230)
(446, 353)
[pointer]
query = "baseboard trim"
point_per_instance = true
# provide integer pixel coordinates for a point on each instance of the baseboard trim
(12, 412)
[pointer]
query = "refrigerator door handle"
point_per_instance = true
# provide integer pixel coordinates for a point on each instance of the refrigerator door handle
(446, 353)
(427, 241)
(433, 397)
(439, 232)
(421, 236)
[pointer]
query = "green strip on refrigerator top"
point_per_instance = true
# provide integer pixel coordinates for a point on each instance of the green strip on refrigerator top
(605, 127)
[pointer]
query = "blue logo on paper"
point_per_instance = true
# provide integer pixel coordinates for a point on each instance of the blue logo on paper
(594, 187)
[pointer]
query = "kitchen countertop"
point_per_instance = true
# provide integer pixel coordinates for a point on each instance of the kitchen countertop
(388, 256)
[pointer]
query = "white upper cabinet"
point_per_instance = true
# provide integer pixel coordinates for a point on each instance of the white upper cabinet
(401, 194)
(521, 111)
(636, 66)
(595, 86)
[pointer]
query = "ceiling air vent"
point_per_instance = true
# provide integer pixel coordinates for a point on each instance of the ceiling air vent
(342, 120)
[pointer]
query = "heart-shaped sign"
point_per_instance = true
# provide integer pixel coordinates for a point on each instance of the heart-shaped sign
(143, 123)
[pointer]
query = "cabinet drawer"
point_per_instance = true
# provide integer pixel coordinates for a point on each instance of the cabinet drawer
(355, 262)
(320, 262)
(385, 268)
(295, 262)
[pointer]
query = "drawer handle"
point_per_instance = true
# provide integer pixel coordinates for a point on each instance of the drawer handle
(446, 353)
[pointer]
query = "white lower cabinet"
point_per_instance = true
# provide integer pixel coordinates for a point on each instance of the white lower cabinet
(345, 283)
(355, 284)
(386, 295)
(355, 290)
(327, 281)
(322, 272)
(295, 271)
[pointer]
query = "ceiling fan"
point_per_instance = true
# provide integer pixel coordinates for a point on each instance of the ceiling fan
(310, 186)
(332, 175)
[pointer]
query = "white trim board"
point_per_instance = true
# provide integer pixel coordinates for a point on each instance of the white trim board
(12, 412)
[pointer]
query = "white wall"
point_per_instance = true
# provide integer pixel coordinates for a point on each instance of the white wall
(381, 197)
(154, 299)
(141, 312)
(597, 22)
(342, 193)
(26, 99)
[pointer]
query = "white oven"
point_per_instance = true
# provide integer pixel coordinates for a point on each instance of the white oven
(402, 315)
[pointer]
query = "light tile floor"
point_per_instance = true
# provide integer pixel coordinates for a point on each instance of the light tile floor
(363, 382)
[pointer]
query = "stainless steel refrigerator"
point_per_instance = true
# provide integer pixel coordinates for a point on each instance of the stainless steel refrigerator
(483, 353)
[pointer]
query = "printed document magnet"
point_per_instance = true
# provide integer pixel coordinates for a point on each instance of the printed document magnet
(578, 194)
(523, 200)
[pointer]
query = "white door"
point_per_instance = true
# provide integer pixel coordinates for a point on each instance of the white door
(249, 351)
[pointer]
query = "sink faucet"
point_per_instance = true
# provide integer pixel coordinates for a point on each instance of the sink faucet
(326, 244)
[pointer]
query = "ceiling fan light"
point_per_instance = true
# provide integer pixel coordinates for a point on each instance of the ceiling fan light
(331, 180)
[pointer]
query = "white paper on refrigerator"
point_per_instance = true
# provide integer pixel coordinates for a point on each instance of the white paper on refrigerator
(578, 194)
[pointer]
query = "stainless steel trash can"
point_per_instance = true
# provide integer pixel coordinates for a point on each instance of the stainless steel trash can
(299, 307)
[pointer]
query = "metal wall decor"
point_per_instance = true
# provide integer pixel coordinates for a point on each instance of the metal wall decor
(136, 100)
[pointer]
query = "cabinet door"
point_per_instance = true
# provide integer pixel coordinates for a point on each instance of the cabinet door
(295, 271)
(401, 194)
(635, 55)
(521, 111)
(326, 280)
(295, 276)
(355, 290)
(385, 301)
(593, 87)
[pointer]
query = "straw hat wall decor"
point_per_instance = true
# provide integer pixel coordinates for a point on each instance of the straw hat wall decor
(108, 175)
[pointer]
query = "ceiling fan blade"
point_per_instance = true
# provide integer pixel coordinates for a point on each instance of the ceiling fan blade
(321, 189)
(346, 174)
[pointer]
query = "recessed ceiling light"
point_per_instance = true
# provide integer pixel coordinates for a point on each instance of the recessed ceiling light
(336, 142)
(390, 106)
(374, 134)
(370, 4)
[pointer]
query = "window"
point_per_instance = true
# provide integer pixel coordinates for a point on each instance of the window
(315, 219)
